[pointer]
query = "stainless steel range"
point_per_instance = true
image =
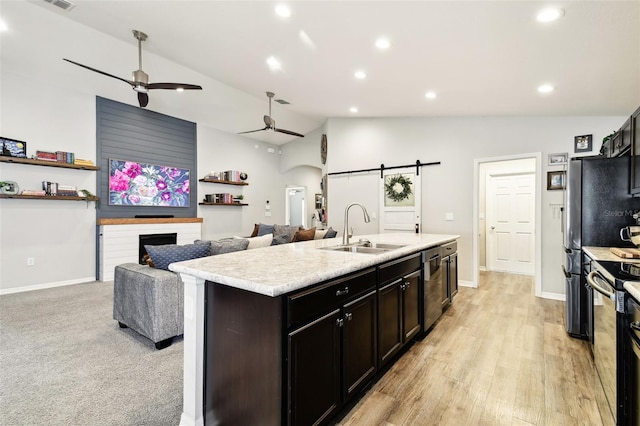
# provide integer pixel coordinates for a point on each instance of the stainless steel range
(607, 280)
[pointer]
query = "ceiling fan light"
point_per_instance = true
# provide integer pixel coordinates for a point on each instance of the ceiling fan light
(140, 89)
(179, 89)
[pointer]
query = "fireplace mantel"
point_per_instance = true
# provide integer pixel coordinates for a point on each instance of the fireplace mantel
(146, 220)
(119, 238)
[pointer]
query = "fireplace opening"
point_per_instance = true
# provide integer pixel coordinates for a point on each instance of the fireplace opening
(153, 240)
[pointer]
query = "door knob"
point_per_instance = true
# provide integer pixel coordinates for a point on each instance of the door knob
(493, 227)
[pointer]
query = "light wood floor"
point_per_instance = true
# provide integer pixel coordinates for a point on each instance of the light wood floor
(498, 356)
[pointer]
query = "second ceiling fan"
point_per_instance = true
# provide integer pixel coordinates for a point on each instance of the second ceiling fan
(270, 123)
(140, 82)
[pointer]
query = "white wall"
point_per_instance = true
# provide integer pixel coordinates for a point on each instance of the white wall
(448, 187)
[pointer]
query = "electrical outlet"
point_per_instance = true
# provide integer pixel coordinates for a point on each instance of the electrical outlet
(31, 261)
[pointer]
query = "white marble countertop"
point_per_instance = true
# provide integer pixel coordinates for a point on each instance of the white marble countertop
(633, 287)
(276, 270)
(603, 253)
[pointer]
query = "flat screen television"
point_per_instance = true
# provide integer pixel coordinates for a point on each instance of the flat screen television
(140, 184)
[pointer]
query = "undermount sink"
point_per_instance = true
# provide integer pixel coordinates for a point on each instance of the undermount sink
(373, 249)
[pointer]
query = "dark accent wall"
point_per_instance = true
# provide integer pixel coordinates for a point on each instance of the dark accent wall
(126, 132)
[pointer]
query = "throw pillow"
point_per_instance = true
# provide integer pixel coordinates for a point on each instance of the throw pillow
(331, 233)
(228, 246)
(257, 242)
(162, 256)
(264, 229)
(285, 230)
(254, 233)
(320, 233)
(304, 235)
(280, 239)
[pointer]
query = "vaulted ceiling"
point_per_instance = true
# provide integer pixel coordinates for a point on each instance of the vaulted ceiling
(480, 58)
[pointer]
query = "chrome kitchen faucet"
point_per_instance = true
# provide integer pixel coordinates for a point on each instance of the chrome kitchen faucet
(345, 233)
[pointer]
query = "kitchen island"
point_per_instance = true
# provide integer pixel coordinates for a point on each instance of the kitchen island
(248, 294)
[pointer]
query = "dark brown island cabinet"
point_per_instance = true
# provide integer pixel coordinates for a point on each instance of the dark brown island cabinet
(300, 358)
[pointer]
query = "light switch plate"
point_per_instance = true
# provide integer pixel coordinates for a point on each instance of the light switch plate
(267, 213)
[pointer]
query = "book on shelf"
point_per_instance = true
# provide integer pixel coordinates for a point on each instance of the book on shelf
(46, 156)
(228, 175)
(37, 192)
(81, 162)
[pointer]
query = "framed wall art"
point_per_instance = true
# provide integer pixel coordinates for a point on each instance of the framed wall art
(556, 180)
(583, 143)
(558, 159)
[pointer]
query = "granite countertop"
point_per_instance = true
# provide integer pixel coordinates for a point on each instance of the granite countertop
(633, 287)
(603, 253)
(277, 270)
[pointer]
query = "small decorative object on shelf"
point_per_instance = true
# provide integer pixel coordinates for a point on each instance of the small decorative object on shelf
(9, 187)
(243, 176)
(13, 148)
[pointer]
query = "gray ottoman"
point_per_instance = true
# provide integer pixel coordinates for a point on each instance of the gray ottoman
(149, 301)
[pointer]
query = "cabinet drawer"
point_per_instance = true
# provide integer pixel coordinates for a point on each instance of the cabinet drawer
(311, 303)
(449, 248)
(398, 268)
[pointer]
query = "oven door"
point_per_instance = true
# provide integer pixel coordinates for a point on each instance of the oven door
(604, 346)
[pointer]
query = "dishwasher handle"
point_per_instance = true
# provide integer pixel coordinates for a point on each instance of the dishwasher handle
(597, 287)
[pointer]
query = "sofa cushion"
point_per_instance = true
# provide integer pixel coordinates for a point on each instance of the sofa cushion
(280, 239)
(320, 233)
(331, 233)
(165, 254)
(264, 229)
(257, 242)
(285, 230)
(304, 235)
(228, 246)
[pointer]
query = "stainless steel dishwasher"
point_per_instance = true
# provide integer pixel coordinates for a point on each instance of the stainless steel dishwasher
(432, 292)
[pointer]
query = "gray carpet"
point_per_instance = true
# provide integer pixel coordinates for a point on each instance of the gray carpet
(65, 361)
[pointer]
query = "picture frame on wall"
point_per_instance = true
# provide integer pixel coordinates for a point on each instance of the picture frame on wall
(583, 143)
(556, 180)
(558, 159)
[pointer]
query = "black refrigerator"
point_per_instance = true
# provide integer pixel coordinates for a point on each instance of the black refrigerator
(597, 205)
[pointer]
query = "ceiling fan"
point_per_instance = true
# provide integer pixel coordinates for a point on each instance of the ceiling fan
(140, 82)
(270, 123)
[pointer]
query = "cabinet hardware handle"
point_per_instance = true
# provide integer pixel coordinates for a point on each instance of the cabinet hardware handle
(339, 322)
(635, 325)
(403, 287)
(348, 316)
(341, 292)
(407, 284)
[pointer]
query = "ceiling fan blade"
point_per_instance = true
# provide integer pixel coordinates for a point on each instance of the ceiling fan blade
(131, 83)
(253, 131)
(143, 99)
(173, 86)
(289, 132)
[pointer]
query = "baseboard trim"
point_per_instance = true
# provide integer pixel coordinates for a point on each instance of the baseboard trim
(554, 296)
(46, 285)
(464, 283)
(482, 268)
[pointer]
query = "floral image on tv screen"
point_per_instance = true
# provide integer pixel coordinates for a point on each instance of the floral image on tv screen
(139, 184)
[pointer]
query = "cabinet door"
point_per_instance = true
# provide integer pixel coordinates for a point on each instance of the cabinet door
(411, 306)
(359, 343)
(314, 371)
(634, 187)
(390, 320)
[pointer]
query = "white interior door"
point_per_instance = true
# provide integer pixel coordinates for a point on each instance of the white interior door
(510, 232)
(400, 201)
(295, 206)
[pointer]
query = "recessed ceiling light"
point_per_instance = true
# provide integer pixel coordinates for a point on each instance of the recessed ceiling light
(549, 14)
(546, 88)
(3, 26)
(430, 95)
(273, 63)
(353, 109)
(283, 11)
(360, 74)
(383, 43)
